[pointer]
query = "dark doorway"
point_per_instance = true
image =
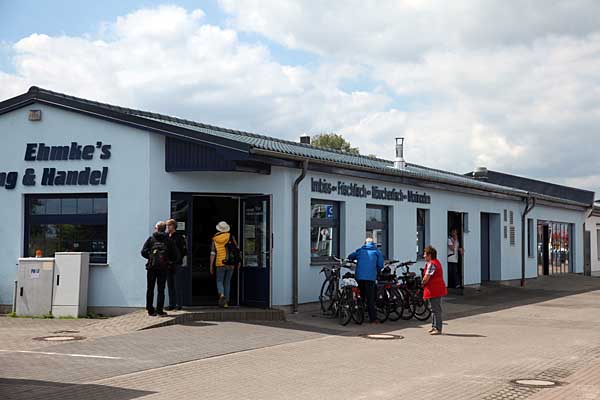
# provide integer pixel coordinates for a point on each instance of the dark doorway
(208, 212)
(587, 253)
(250, 220)
(485, 247)
(543, 254)
(455, 221)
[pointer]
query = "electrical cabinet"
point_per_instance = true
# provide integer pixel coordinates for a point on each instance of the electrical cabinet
(34, 286)
(70, 284)
(56, 285)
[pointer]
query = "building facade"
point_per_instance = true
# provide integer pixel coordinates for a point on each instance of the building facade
(84, 176)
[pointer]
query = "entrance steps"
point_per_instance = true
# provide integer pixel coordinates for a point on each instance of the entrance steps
(219, 314)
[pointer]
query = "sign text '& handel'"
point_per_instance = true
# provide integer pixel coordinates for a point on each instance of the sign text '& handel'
(50, 176)
(374, 192)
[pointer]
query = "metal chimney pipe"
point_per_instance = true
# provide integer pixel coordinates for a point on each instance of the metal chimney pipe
(399, 162)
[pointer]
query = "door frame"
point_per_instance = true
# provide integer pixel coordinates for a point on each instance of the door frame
(269, 198)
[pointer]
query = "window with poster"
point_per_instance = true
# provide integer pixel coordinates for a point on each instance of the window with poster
(377, 227)
(324, 231)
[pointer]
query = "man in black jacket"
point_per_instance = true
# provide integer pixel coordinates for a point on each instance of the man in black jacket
(176, 275)
(160, 253)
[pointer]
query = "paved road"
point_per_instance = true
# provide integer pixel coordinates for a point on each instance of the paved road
(549, 330)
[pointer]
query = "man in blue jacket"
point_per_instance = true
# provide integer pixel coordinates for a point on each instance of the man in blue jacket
(369, 262)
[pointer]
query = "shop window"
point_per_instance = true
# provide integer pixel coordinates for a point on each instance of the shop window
(530, 238)
(67, 223)
(377, 227)
(422, 231)
(324, 230)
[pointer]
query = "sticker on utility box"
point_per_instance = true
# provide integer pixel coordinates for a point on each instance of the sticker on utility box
(34, 273)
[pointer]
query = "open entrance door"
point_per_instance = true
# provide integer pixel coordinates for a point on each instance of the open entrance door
(456, 220)
(255, 243)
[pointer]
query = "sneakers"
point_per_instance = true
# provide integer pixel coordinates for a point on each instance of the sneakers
(152, 313)
(222, 301)
(225, 305)
(431, 330)
(162, 314)
(434, 332)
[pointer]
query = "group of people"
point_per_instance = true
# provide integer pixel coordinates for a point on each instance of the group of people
(369, 262)
(165, 251)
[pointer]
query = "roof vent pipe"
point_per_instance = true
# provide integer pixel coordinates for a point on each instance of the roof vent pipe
(480, 173)
(305, 139)
(399, 162)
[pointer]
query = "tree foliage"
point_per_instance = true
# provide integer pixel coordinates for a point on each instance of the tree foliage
(333, 141)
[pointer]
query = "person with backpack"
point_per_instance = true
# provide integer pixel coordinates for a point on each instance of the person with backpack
(176, 274)
(160, 253)
(225, 256)
(369, 261)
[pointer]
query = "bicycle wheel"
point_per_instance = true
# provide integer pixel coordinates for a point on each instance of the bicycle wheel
(397, 304)
(326, 298)
(358, 310)
(422, 309)
(408, 308)
(344, 308)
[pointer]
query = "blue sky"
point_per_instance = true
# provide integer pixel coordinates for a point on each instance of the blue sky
(467, 83)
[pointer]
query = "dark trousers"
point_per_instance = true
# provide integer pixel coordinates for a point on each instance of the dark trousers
(453, 275)
(172, 287)
(368, 291)
(436, 312)
(155, 278)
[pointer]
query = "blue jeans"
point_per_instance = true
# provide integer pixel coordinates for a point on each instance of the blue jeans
(224, 275)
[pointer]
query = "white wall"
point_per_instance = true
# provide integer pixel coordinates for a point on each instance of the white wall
(139, 191)
(403, 224)
(593, 225)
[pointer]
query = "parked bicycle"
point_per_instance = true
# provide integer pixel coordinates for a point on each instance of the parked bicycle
(412, 287)
(340, 296)
(394, 293)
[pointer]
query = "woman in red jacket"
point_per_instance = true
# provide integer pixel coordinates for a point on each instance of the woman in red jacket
(434, 288)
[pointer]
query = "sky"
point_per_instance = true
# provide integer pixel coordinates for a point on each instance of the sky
(511, 86)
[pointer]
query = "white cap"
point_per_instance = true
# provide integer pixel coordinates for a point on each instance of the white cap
(223, 226)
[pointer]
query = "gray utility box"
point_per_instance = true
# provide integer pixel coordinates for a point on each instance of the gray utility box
(34, 286)
(71, 272)
(58, 285)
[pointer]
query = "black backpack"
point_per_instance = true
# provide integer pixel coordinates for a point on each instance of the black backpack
(232, 253)
(159, 255)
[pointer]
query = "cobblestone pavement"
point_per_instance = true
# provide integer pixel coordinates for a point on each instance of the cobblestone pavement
(548, 331)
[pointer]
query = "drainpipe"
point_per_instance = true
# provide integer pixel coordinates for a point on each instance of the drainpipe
(530, 205)
(296, 235)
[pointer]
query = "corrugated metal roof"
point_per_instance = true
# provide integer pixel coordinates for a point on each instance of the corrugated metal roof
(301, 150)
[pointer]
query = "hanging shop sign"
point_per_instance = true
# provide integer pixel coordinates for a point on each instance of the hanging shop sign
(362, 191)
(50, 176)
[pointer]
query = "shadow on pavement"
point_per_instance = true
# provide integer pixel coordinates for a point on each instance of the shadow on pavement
(459, 304)
(17, 389)
(465, 335)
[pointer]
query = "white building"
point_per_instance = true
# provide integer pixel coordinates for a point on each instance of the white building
(84, 176)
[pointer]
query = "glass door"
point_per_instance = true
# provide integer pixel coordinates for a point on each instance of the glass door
(256, 251)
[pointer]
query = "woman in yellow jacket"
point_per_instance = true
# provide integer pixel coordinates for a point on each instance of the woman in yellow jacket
(217, 255)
